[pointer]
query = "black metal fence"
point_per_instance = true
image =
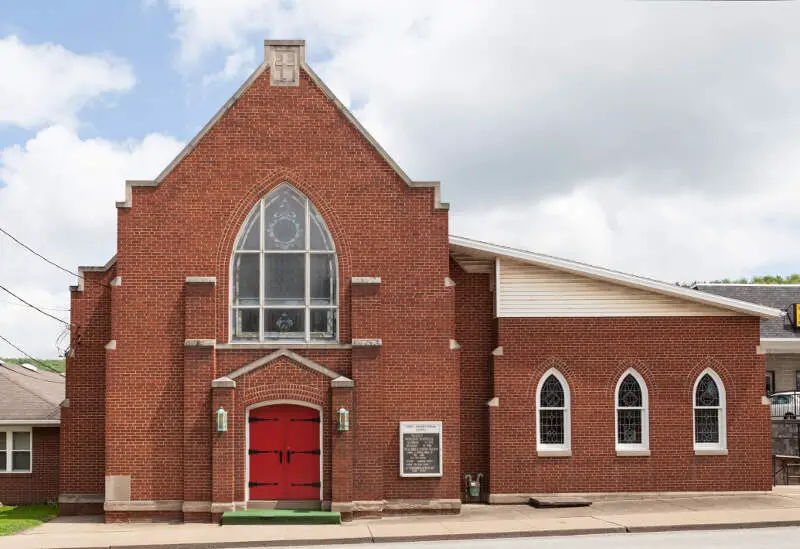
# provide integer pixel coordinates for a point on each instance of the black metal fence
(785, 405)
(786, 451)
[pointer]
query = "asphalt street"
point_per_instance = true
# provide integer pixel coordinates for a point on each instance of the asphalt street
(772, 538)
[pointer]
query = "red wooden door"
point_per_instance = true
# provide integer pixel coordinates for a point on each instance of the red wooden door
(284, 453)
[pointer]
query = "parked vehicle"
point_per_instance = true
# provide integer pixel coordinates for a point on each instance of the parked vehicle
(785, 405)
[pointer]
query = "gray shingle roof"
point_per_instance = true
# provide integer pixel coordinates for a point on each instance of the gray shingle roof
(29, 395)
(779, 296)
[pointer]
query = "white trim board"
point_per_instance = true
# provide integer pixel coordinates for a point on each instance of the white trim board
(616, 277)
(779, 345)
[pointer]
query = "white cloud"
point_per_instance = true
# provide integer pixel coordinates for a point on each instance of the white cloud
(59, 200)
(237, 65)
(46, 84)
(653, 137)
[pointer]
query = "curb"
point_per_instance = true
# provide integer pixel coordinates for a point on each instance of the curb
(252, 544)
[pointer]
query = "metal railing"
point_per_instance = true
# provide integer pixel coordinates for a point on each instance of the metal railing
(785, 405)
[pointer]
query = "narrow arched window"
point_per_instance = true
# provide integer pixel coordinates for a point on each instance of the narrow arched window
(632, 421)
(709, 412)
(552, 414)
(283, 272)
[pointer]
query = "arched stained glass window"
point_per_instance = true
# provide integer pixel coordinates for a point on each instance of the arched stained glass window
(552, 413)
(632, 413)
(284, 272)
(709, 412)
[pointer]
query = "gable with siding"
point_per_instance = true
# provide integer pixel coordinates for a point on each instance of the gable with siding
(525, 290)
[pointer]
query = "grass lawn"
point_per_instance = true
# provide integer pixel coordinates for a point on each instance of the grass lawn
(16, 519)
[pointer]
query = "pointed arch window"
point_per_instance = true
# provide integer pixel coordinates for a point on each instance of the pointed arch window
(553, 435)
(708, 399)
(632, 414)
(284, 272)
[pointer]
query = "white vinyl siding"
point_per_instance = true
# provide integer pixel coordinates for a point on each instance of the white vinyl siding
(525, 290)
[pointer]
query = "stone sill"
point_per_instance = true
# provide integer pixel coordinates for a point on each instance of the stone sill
(711, 452)
(241, 346)
(633, 453)
(16, 473)
(554, 453)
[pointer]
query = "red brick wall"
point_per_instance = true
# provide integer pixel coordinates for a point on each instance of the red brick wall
(41, 484)
(592, 353)
(83, 422)
(187, 225)
(477, 335)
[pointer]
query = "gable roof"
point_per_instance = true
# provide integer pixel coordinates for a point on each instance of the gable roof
(779, 296)
(336, 379)
(477, 250)
(28, 396)
(241, 91)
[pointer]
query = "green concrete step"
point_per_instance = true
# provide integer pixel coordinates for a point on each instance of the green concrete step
(281, 516)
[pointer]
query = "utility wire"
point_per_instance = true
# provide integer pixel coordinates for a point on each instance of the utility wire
(53, 263)
(36, 360)
(5, 365)
(32, 306)
(15, 304)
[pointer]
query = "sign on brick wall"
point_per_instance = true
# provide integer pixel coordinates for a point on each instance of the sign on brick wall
(420, 448)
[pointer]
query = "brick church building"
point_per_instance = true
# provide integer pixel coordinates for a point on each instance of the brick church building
(288, 323)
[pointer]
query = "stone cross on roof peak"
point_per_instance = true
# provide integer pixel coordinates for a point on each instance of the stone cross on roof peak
(284, 58)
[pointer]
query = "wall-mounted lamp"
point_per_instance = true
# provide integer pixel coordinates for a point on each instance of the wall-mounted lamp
(222, 420)
(343, 419)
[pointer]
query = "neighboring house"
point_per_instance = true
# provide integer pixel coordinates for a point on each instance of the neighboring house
(286, 311)
(30, 399)
(779, 341)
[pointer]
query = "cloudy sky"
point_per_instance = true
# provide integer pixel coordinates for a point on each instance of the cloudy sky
(660, 138)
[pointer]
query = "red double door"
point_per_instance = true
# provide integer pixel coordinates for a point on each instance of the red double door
(284, 453)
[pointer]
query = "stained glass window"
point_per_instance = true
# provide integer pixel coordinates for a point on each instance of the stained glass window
(631, 412)
(284, 272)
(709, 416)
(553, 412)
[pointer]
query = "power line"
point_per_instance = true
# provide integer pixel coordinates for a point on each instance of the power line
(15, 304)
(32, 306)
(53, 263)
(32, 377)
(36, 360)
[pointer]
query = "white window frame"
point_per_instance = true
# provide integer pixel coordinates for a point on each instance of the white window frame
(8, 433)
(261, 252)
(626, 448)
(554, 450)
(711, 448)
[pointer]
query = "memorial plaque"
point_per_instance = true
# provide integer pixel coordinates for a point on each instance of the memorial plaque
(420, 448)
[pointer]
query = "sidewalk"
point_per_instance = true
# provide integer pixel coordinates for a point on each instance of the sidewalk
(608, 515)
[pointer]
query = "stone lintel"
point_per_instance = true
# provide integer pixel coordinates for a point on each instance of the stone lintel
(223, 382)
(342, 381)
(365, 280)
(199, 343)
(367, 342)
(201, 279)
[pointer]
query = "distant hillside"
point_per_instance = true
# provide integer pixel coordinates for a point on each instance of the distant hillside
(59, 365)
